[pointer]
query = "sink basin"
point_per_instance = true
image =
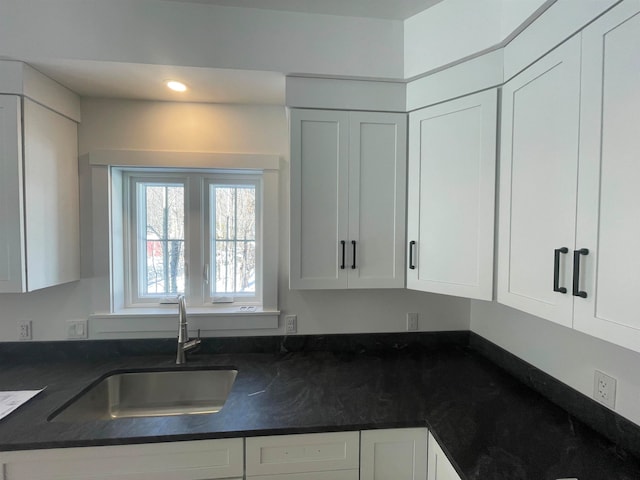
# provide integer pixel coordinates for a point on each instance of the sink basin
(150, 393)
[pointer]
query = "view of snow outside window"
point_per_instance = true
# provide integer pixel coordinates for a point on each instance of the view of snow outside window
(163, 239)
(233, 244)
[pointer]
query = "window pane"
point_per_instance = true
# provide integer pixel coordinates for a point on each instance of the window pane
(246, 267)
(233, 211)
(225, 212)
(225, 262)
(161, 252)
(246, 214)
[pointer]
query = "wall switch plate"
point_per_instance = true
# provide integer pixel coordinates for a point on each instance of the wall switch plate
(412, 322)
(604, 389)
(291, 323)
(77, 329)
(25, 330)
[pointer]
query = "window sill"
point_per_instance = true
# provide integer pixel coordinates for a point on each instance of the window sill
(163, 322)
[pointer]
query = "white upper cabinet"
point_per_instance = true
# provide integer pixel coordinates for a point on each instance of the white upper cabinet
(609, 182)
(569, 227)
(319, 198)
(12, 258)
(348, 187)
(39, 219)
(538, 182)
(452, 170)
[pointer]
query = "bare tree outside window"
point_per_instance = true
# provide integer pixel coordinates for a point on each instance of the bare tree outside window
(233, 243)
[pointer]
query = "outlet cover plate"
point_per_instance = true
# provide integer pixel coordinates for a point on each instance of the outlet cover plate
(604, 389)
(77, 329)
(290, 324)
(25, 331)
(412, 322)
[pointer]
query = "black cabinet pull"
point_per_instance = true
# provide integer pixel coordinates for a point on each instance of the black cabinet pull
(343, 243)
(576, 272)
(556, 269)
(411, 245)
(353, 265)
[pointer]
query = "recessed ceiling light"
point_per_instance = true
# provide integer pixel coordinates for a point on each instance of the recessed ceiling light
(176, 86)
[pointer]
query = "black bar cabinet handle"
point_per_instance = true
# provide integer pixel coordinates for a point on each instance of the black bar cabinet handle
(556, 269)
(576, 272)
(353, 265)
(412, 243)
(343, 243)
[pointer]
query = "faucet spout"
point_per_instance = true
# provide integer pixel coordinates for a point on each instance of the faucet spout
(184, 344)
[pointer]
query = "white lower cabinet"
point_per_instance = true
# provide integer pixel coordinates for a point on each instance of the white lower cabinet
(197, 460)
(395, 454)
(440, 467)
(318, 456)
(392, 454)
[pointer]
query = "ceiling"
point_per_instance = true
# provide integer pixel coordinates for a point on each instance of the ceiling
(389, 9)
(211, 85)
(146, 82)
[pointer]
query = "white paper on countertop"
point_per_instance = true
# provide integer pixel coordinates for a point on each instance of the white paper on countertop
(9, 401)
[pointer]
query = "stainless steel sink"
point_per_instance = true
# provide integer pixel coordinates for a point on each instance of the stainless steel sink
(150, 394)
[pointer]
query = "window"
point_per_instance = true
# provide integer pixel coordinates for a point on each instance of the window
(233, 240)
(196, 233)
(158, 215)
(208, 229)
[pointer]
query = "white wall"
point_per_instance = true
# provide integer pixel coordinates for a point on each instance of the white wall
(449, 31)
(118, 124)
(191, 34)
(565, 354)
(455, 29)
(121, 124)
(515, 13)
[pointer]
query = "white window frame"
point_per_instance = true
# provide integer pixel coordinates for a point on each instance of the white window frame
(112, 318)
(197, 234)
(131, 224)
(234, 180)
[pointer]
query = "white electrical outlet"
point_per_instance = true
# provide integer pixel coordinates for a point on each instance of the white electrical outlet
(291, 323)
(604, 389)
(412, 321)
(77, 329)
(24, 330)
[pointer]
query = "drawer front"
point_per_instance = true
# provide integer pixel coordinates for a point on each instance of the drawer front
(319, 452)
(196, 460)
(334, 475)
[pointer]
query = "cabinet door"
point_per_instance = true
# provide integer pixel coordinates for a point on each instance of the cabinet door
(452, 170)
(609, 192)
(51, 197)
(12, 278)
(538, 184)
(319, 199)
(377, 190)
(440, 467)
(396, 454)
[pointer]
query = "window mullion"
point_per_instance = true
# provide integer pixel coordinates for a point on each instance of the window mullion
(195, 239)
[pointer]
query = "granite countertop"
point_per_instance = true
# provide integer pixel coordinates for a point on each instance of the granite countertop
(492, 426)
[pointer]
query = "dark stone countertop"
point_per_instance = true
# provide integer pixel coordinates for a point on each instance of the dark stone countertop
(492, 426)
